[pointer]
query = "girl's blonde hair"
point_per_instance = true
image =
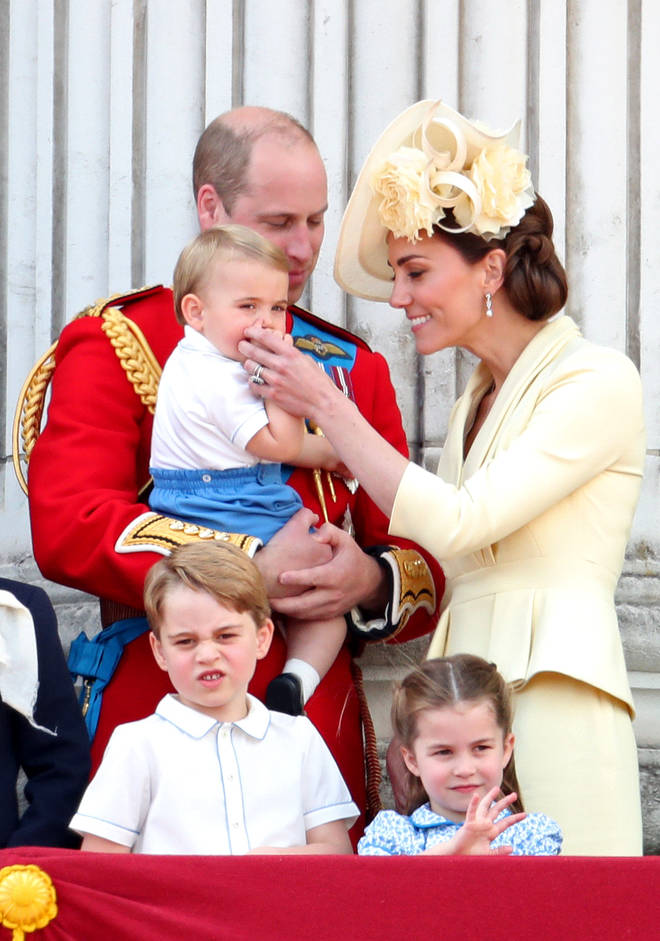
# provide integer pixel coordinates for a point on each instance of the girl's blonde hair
(225, 242)
(447, 681)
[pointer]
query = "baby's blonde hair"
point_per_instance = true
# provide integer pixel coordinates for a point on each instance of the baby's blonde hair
(225, 242)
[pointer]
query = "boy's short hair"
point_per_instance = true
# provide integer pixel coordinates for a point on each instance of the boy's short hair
(225, 242)
(219, 569)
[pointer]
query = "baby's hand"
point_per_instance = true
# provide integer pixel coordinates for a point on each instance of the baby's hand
(288, 339)
(320, 454)
(481, 827)
(335, 466)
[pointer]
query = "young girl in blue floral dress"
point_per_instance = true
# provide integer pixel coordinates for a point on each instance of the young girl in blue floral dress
(453, 717)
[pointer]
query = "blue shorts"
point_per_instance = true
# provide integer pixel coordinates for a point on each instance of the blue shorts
(250, 500)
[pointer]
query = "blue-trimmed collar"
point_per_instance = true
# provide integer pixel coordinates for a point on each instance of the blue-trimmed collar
(197, 724)
(424, 818)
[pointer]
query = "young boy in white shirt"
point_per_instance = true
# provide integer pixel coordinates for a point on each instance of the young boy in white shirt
(213, 771)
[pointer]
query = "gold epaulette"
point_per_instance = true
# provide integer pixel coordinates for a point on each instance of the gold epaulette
(135, 355)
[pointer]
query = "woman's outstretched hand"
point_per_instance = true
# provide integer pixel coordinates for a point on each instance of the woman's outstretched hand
(282, 374)
(289, 378)
(481, 827)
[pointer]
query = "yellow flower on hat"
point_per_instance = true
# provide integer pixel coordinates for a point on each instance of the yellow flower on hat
(504, 184)
(407, 206)
(431, 169)
(466, 168)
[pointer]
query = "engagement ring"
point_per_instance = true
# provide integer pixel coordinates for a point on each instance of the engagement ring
(256, 377)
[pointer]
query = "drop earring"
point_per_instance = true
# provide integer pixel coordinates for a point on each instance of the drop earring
(489, 305)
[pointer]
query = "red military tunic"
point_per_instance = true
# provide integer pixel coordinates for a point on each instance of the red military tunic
(91, 461)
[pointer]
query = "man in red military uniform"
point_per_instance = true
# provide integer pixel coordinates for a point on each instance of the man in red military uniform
(91, 525)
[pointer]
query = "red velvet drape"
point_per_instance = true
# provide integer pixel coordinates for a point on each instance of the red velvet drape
(158, 898)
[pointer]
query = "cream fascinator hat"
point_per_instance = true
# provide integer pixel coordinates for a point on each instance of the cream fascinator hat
(429, 159)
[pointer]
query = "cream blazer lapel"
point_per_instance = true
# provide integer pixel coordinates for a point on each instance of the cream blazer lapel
(512, 406)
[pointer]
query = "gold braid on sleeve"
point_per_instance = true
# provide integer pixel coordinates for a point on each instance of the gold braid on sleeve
(29, 412)
(141, 366)
(134, 353)
(156, 533)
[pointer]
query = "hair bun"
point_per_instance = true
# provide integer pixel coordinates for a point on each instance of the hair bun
(535, 279)
(540, 247)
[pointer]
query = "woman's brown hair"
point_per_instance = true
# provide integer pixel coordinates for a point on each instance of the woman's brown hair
(447, 681)
(534, 278)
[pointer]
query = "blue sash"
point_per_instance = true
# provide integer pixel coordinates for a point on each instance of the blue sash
(96, 660)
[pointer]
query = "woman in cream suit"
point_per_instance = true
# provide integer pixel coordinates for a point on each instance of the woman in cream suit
(538, 481)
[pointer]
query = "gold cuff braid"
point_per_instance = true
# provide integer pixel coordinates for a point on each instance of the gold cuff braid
(415, 583)
(411, 587)
(155, 533)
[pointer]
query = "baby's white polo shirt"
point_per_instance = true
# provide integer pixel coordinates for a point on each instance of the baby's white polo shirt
(181, 782)
(205, 412)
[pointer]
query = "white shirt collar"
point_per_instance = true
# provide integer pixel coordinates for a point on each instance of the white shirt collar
(197, 724)
(194, 340)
